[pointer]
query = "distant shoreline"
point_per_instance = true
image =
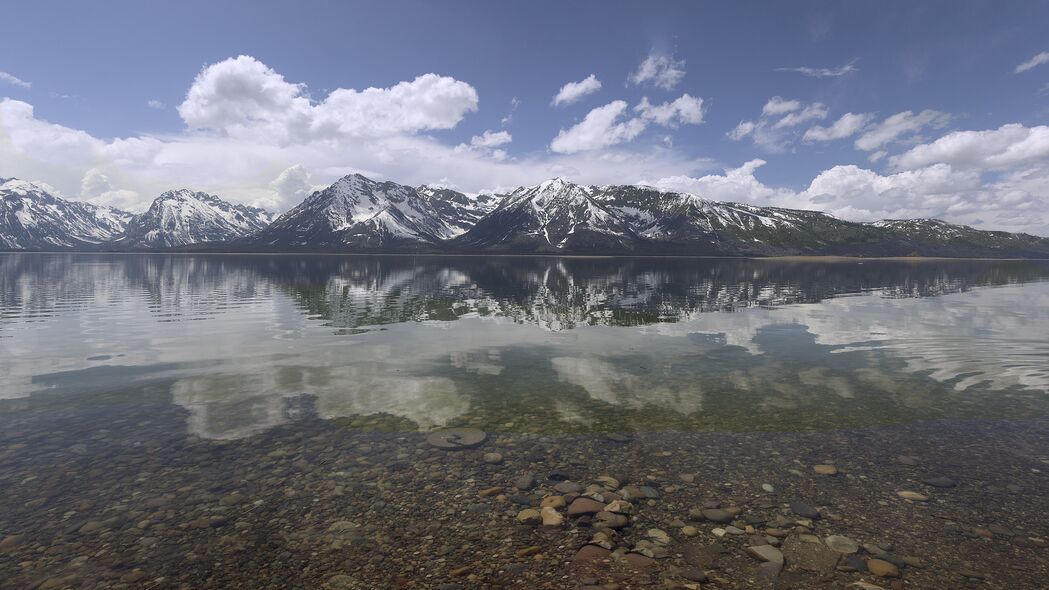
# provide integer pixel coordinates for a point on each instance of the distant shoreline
(786, 258)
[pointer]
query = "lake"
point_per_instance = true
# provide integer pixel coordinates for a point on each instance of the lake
(263, 416)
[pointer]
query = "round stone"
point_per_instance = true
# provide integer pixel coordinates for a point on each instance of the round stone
(452, 439)
(825, 469)
(842, 544)
(804, 510)
(718, 515)
(529, 516)
(766, 553)
(882, 568)
(493, 458)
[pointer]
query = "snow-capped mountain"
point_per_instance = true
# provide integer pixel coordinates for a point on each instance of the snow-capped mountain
(359, 213)
(32, 217)
(556, 215)
(183, 217)
(458, 212)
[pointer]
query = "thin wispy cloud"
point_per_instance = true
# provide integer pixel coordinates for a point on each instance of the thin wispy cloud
(661, 71)
(14, 80)
(1034, 62)
(156, 104)
(823, 72)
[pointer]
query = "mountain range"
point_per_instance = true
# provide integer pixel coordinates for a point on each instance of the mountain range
(357, 214)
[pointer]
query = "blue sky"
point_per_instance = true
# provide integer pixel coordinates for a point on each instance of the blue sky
(90, 71)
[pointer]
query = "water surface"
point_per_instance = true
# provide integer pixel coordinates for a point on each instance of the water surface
(216, 421)
(533, 344)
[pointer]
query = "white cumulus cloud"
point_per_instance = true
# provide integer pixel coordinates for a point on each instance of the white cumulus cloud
(1008, 146)
(574, 91)
(602, 127)
(684, 110)
(244, 98)
(610, 124)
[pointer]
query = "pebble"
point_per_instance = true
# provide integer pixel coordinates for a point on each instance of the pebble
(610, 520)
(769, 571)
(553, 502)
(689, 531)
(529, 516)
(825, 469)
(882, 568)
(581, 506)
(527, 551)
(811, 556)
(568, 487)
(804, 510)
(913, 496)
(842, 544)
(658, 536)
(10, 542)
(718, 515)
(525, 482)
(91, 526)
(620, 507)
(551, 517)
(767, 487)
(766, 553)
(231, 499)
(451, 439)
(493, 458)
(492, 491)
(588, 553)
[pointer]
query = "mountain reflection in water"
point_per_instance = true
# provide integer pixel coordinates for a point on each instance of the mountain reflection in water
(245, 343)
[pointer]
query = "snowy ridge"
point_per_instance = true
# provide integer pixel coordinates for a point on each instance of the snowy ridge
(183, 217)
(556, 216)
(359, 212)
(32, 217)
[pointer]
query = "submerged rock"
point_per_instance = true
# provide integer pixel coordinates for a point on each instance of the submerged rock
(453, 439)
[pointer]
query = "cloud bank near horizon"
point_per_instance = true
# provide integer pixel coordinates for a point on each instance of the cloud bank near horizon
(254, 137)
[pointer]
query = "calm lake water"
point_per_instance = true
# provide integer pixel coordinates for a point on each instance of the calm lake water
(246, 343)
(215, 421)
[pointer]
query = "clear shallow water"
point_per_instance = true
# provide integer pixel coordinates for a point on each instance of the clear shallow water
(260, 421)
(247, 343)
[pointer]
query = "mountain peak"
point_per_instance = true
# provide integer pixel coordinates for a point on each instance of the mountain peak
(555, 184)
(23, 187)
(181, 217)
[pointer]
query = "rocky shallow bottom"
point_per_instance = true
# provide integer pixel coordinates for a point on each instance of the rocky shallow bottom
(120, 497)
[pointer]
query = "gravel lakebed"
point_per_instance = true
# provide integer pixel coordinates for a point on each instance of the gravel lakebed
(123, 498)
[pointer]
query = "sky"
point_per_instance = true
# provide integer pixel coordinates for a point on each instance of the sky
(865, 110)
